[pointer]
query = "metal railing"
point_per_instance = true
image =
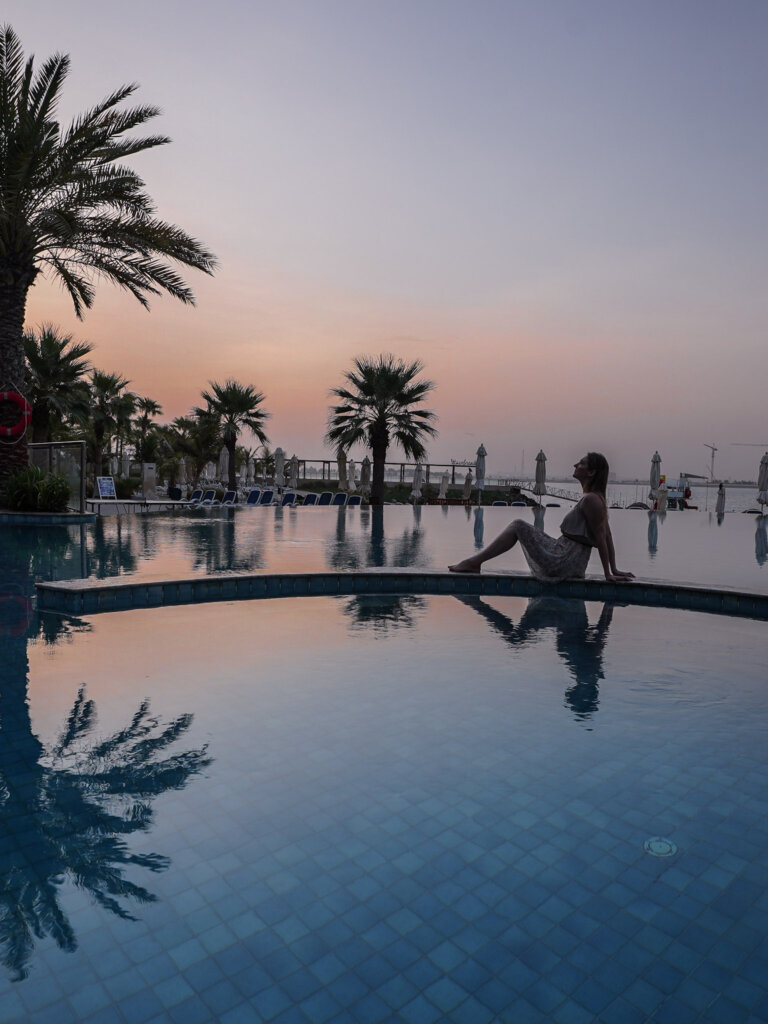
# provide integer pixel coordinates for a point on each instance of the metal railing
(66, 458)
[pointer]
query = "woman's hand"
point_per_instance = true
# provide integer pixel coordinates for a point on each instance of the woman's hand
(616, 576)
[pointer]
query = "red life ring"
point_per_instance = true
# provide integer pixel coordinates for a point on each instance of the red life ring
(26, 413)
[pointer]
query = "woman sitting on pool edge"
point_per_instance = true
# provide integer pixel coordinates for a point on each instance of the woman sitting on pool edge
(583, 528)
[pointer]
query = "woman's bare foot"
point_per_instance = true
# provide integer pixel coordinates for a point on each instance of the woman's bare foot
(468, 565)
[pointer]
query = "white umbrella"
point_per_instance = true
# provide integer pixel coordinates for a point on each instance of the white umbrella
(365, 476)
(351, 485)
(467, 485)
(244, 472)
(341, 464)
(540, 486)
(279, 467)
(113, 465)
(655, 476)
(480, 468)
(762, 481)
(661, 501)
(126, 464)
(293, 472)
(181, 478)
(720, 503)
(418, 480)
(444, 480)
(223, 465)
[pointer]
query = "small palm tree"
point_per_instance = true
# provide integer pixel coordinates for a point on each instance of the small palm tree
(69, 206)
(236, 407)
(56, 386)
(111, 409)
(146, 443)
(377, 408)
(197, 438)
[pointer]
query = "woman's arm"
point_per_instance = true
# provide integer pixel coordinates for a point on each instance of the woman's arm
(597, 520)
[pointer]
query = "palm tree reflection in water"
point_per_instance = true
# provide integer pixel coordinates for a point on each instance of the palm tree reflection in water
(371, 547)
(66, 811)
(580, 645)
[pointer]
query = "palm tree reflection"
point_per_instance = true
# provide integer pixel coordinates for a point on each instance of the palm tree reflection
(371, 547)
(580, 645)
(384, 612)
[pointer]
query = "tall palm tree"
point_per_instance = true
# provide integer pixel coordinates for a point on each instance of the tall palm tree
(146, 446)
(377, 408)
(69, 206)
(56, 369)
(236, 407)
(111, 408)
(197, 437)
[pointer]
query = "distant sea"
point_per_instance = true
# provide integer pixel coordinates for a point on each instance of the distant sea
(737, 499)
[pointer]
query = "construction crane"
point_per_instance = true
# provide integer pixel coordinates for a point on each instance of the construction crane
(713, 449)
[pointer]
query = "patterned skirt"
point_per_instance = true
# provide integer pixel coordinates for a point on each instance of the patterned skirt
(552, 558)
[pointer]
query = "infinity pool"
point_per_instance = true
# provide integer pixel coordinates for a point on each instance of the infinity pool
(377, 808)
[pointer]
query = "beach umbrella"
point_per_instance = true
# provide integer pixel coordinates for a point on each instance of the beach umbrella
(223, 470)
(279, 467)
(720, 503)
(250, 473)
(341, 464)
(113, 465)
(540, 486)
(181, 478)
(762, 481)
(761, 541)
(655, 476)
(418, 480)
(365, 476)
(293, 472)
(479, 527)
(444, 479)
(653, 533)
(467, 485)
(244, 472)
(126, 464)
(351, 484)
(480, 468)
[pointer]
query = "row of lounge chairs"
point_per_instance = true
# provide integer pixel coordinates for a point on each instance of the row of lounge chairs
(257, 496)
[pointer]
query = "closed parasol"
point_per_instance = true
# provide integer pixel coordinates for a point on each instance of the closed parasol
(293, 472)
(444, 479)
(655, 476)
(279, 467)
(351, 482)
(467, 486)
(480, 468)
(365, 476)
(762, 481)
(540, 485)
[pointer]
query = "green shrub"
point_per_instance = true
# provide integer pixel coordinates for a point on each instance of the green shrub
(126, 487)
(31, 490)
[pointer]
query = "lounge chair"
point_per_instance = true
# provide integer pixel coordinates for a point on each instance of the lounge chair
(354, 499)
(518, 504)
(253, 496)
(310, 499)
(339, 498)
(496, 503)
(266, 497)
(325, 498)
(289, 499)
(195, 497)
(209, 498)
(230, 498)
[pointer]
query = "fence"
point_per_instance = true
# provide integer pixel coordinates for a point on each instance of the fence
(67, 458)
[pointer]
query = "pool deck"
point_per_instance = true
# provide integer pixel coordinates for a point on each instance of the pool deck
(84, 597)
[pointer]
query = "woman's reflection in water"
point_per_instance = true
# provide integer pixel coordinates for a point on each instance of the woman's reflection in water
(579, 644)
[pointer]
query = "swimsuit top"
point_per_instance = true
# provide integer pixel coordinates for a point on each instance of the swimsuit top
(574, 526)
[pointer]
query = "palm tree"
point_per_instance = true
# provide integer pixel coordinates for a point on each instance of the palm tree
(111, 408)
(146, 444)
(56, 369)
(377, 408)
(69, 206)
(236, 407)
(197, 437)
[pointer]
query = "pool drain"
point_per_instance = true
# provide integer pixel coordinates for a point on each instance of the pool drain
(658, 846)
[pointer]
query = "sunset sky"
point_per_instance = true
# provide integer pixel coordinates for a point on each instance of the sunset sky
(558, 205)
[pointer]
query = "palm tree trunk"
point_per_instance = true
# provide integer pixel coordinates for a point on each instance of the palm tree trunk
(231, 443)
(379, 452)
(41, 428)
(13, 302)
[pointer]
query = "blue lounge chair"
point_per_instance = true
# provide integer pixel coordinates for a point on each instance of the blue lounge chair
(354, 499)
(195, 497)
(230, 498)
(209, 498)
(518, 504)
(253, 496)
(325, 498)
(289, 499)
(495, 503)
(266, 497)
(339, 498)
(310, 499)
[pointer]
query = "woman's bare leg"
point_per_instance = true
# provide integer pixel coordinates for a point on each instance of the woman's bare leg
(505, 540)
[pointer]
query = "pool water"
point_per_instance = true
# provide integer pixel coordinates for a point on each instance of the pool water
(385, 809)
